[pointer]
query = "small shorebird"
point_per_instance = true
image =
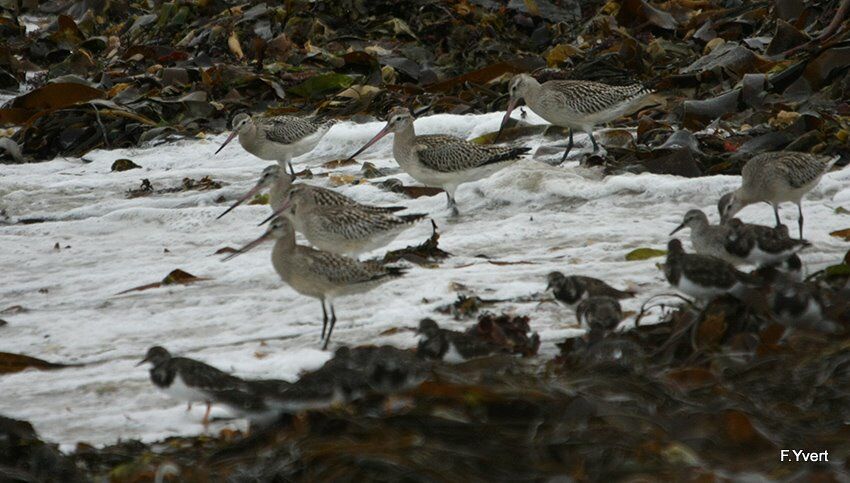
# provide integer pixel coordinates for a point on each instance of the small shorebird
(798, 305)
(319, 274)
(279, 183)
(761, 245)
(575, 104)
(451, 346)
(599, 314)
(353, 373)
(575, 288)
(774, 178)
(703, 276)
(791, 268)
(440, 160)
(191, 381)
(345, 230)
(278, 138)
(707, 239)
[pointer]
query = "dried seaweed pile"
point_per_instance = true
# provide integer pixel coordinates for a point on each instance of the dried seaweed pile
(769, 73)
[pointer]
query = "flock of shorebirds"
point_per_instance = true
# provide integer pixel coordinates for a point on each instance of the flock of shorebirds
(340, 228)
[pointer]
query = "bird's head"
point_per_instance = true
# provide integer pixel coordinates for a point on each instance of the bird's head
(156, 355)
(728, 205)
(692, 219)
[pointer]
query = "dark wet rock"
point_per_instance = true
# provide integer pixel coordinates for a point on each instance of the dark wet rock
(699, 113)
(124, 164)
(785, 38)
(25, 457)
(683, 139)
(680, 162)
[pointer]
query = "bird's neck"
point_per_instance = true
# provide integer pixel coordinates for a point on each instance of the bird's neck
(744, 197)
(248, 135)
(699, 227)
(530, 92)
(283, 246)
(278, 191)
(162, 374)
(403, 142)
(404, 137)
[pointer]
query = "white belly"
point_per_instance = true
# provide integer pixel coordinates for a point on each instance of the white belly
(700, 292)
(179, 391)
(760, 257)
(453, 355)
(440, 179)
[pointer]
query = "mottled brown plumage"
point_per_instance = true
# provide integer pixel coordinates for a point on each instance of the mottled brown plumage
(440, 160)
(575, 104)
(775, 178)
(319, 274)
(703, 276)
(278, 138)
(570, 290)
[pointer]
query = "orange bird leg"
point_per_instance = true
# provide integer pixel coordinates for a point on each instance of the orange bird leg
(206, 420)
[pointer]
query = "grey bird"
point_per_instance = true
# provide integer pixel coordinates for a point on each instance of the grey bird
(279, 183)
(188, 380)
(775, 178)
(572, 289)
(600, 314)
(761, 245)
(575, 104)
(278, 138)
(346, 230)
(703, 276)
(315, 273)
(451, 346)
(707, 239)
(440, 160)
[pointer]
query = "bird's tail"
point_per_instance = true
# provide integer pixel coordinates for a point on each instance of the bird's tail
(395, 271)
(831, 162)
(508, 154)
(413, 218)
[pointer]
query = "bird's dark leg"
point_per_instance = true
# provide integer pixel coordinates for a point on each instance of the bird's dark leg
(776, 214)
(593, 140)
(206, 419)
(569, 147)
(333, 323)
(324, 319)
(189, 406)
(291, 169)
(451, 203)
(800, 219)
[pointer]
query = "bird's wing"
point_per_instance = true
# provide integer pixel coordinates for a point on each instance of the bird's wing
(339, 269)
(588, 97)
(801, 168)
(205, 377)
(326, 197)
(353, 223)
(450, 154)
(711, 270)
(288, 129)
